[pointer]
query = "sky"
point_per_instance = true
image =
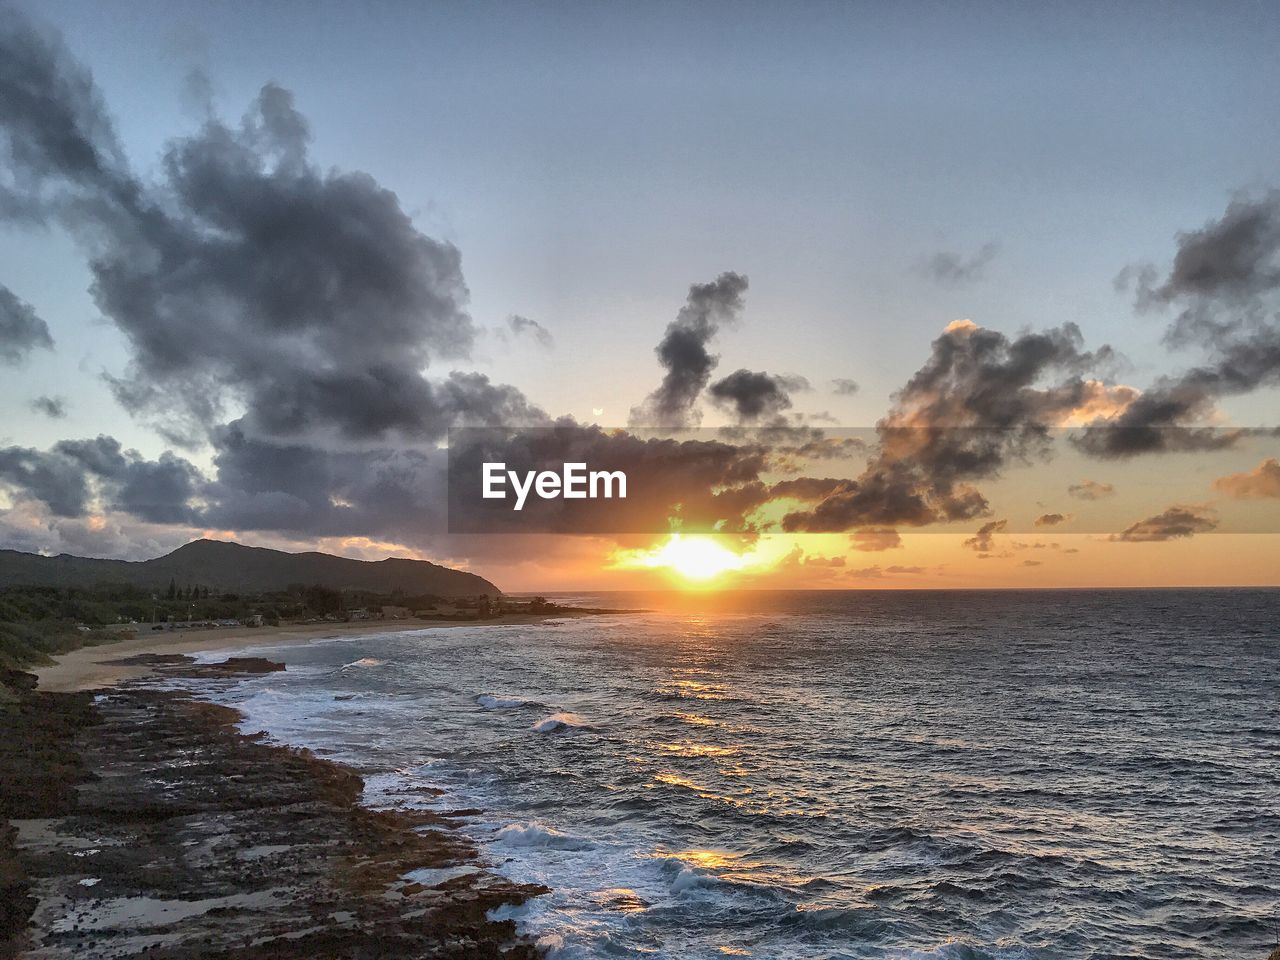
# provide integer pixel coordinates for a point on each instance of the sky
(875, 172)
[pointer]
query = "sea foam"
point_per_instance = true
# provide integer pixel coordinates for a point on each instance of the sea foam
(560, 721)
(538, 835)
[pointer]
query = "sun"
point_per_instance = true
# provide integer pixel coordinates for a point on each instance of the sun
(695, 558)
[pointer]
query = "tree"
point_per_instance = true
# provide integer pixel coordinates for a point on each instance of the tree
(322, 600)
(173, 589)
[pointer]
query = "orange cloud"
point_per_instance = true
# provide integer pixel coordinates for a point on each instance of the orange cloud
(1260, 483)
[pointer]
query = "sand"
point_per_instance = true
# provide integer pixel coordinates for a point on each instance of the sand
(92, 668)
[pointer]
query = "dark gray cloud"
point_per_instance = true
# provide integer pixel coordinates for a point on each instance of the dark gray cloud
(247, 275)
(683, 352)
(948, 266)
(55, 129)
(754, 396)
(1235, 257)
(1177, 522)
(980, 402)
(844, 387)
(21, 329)
(1225, 283)
(73, 473)
(523, 326)
(57, 481)
(1052, 519)
(805, 488)
(53, 407)
(300, 488)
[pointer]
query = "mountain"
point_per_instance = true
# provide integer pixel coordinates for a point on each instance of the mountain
(223, 566)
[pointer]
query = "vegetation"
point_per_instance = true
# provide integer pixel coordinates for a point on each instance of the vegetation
(37, 622)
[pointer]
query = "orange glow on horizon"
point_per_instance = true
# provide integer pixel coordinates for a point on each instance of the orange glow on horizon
(698, 559)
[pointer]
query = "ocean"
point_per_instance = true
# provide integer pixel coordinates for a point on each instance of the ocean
(870, 774)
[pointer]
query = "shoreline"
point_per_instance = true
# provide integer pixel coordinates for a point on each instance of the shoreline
(92, 667)
(142, 822)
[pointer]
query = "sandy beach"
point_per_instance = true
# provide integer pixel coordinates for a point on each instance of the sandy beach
(92, 668)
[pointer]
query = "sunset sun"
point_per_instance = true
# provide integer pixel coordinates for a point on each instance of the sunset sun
(695, 558)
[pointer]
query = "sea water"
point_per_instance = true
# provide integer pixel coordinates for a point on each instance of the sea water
(1056, 774)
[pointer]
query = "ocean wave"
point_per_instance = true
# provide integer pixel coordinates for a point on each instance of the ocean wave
(963, 950)
(558, 722)
(491, 701)
(538, 835)
(364, 662)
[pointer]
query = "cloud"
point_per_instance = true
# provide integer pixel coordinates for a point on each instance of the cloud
(58, 482)
(947, 266)
(56, 129)
(978, 403)
(1175, 523)
(812, 561)
(1033, 563)
(844, 387)
(875, 539)
(981, 541)
(246, 276)
(683, 352)
(21, 329)
(53, 407)
(290, 320)
(1225, 282)
(31, 527)
(1260, 483)
(753, 396)
(1235, 257)
(1091, 490)
(523, 326)
(1052, 519)
(876, 572)
(76, 476)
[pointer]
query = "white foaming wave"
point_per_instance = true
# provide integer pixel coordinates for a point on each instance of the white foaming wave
(690, 878)
(539, 835)
(685, 877)
(561, 721)
(364, 662)
(493, 701)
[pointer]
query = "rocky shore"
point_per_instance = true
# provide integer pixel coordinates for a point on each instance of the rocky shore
(141, 823)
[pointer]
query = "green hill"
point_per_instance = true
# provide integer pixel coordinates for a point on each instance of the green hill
(232, 567)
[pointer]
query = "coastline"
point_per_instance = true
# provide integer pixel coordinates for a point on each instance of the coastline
(93, 667)
(142, 822)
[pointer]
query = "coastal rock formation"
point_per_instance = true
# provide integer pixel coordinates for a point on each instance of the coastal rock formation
(142, 823)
